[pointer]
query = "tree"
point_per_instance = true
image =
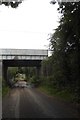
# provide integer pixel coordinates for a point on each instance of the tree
(65, 43)
(12, 3)
(12, 72)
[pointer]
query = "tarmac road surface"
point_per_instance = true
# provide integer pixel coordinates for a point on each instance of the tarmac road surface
(31, 103)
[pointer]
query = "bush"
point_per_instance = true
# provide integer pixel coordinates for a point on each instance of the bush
(34, 80)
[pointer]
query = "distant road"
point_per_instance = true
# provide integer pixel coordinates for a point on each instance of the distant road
(31, 103)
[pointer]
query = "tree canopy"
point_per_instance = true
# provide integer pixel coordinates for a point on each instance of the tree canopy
(12, 3)
(62, 69)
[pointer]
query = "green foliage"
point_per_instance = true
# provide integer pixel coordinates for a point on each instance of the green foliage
(61, 71)
(5, 88)
(34, 80)
(64, 94)
(12, 3)
(30, 71)
(12, 72)
(20, 70)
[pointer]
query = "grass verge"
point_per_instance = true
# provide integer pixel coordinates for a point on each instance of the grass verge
(5, 90)
(63, 94)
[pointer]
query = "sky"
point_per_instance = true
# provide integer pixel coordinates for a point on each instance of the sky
(29, 25)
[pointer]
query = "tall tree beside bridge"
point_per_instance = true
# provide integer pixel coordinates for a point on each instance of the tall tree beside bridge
(65, 44)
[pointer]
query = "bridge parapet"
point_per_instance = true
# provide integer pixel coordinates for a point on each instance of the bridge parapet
(23, 54)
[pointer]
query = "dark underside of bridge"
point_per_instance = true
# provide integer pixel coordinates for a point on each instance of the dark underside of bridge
(21, 63)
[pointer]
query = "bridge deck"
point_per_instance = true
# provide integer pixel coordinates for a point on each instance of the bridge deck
(25, 54)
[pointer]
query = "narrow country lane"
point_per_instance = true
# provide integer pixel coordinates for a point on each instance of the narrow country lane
(31, 103)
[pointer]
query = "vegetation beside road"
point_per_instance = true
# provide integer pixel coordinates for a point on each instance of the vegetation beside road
(5, 88)
(7, 84)
(63, 94)
(61, 71)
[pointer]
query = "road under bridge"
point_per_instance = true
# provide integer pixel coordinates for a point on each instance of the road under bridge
(21, 58)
